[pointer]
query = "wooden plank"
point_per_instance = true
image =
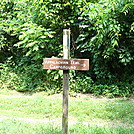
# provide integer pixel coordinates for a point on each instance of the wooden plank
(66, 64)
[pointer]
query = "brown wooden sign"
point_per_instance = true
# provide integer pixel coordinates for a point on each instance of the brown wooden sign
(66, 64)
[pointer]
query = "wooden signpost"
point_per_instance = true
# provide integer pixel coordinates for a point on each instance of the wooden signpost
(65, 64)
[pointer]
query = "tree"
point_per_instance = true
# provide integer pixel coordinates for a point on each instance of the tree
(100, 30)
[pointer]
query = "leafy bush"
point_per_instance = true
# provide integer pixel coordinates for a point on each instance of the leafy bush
(85, 84)
(113, 90)
(80, 83)
(23, 79)
(101, 31)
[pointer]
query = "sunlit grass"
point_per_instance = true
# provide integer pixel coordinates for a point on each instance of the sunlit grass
(85, 114)
(21, 127)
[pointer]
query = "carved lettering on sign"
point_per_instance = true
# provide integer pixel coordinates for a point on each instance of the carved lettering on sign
(66, 64)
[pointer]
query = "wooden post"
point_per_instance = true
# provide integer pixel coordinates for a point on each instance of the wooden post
(66, 55)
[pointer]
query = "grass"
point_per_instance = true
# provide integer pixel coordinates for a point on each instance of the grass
(41, 114)
(104, 110)
(21, 127)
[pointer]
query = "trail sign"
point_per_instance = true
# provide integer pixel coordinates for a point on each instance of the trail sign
(66, 64)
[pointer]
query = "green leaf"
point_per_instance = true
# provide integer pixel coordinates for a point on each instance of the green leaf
(31, 44)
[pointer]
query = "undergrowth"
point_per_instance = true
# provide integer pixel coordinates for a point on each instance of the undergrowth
(34, 79)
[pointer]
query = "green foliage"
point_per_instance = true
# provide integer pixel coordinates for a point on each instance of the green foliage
(100, 30)
(120, 89)
(80, 83)
(106, 35)
(23, 79)
(84, 84)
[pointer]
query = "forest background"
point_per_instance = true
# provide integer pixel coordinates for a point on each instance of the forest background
(101, 31)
